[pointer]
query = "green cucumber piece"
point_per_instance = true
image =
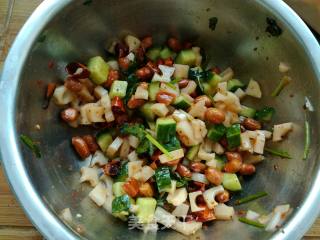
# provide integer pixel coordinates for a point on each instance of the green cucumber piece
(163, 178)
(192, 152)
(165, 129)
(146, 209)
(233, 136)
(153, 89)
(187, 57)
(214, 80)
(153, 53)
(182, 102)
(104, 139)
(265, 114)
(234, 84)
(208, 90)
(216, 132)
(231, 182)
(221, 161)
(165, 53)
(117, 189)
(247, 112)
(121, 204)
(118, 88)
(99, 70)
(145, 109)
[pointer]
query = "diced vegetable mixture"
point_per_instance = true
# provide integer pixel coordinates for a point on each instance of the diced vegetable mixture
(173, 140)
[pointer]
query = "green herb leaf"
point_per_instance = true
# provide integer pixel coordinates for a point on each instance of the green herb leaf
(250, 222)
(161, 200)
(31, 145)
(306, 141)
(213, 23)
(136, 130)
(133, 83)
(251, 198)
(277, 152)
(173, 144)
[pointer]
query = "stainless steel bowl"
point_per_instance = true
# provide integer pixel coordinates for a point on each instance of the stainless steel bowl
(61, 31)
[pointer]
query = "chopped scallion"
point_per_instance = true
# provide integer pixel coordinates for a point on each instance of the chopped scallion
(157, 144)
(31, 145)
(306, 141)
(250, 222)
(278, 152)
(284, 82)
(251, 198)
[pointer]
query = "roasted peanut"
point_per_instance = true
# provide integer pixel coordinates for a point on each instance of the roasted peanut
(233, 156)
(135, 103)
(112, 76)
(251, 124)
(146, 190)
(140, 54)
(69, 115)
(232, 166)
(121, 118)
(183, 83)
(204, 215)
(174, 44)
(144, 73)
(194, 94)
(223, 197)
(81, 147)
(153, 67)
(215, 115)
(165, 97)
(91, 142)
(197, 167)
(124, 63)
(183, 171)
(214, 176)
(73, 85)
(247, 169)
(205, 98)
(146, 42)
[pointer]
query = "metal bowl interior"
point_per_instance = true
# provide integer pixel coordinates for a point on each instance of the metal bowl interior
(63, 31)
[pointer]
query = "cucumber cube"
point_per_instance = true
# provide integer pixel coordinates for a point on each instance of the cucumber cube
(192, 152)
(117, 189)
(265, 114)
(165, 129)
(99, 70)
(233, 136)
(147, 112)
(187, 57)
(231, 182)
(119, 89)
(234, 84)
(146, 209)
(182, 102)
(153, 89)
(247, 112)
(216, 132)
(165, 53)
(104, 139)
(153, 53)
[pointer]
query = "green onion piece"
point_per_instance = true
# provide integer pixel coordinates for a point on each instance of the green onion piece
(284, 82)
(278, 152)
(250, 222)
(31, 145)
(251, 198)
(170, 84)
(306, 141)
(176, 80)
(157, 144)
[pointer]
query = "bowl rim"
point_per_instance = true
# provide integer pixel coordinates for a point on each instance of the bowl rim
(35, 208)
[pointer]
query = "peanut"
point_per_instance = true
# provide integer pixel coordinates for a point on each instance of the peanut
(215, 115)
(69, 114)
(251, 124)
(81, 147)
(214, 176)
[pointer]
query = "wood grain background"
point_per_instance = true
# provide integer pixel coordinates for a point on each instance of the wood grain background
(13, 222)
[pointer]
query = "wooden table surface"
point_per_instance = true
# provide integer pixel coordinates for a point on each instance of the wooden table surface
(13, 222)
